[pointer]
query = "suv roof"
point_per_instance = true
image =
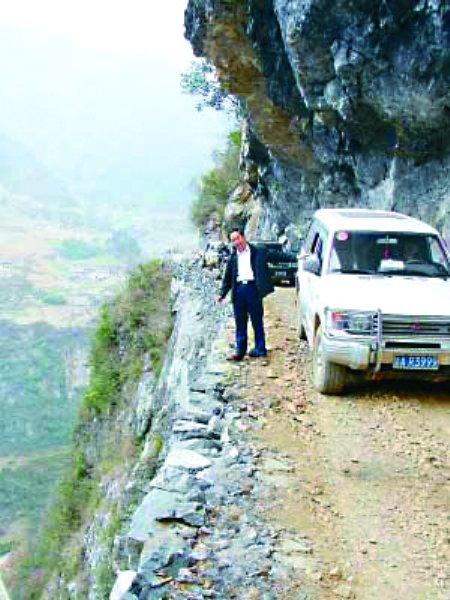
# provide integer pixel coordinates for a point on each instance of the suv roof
(366, 219)
(215, 244)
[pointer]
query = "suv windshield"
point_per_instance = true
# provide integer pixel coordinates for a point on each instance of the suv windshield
(388, 253)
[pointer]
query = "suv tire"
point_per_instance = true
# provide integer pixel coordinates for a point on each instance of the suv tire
(328, 378)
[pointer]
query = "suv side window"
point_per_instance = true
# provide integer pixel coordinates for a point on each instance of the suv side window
(310, 238)
(318, 245)
(315, 241)
(437, 253)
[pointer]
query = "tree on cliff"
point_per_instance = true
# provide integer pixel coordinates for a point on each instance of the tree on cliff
(201, 80)
(216, 185)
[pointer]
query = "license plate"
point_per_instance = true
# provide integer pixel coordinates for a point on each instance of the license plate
(420, 363)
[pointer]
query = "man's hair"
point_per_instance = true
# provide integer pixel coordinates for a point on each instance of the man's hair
(239, 230)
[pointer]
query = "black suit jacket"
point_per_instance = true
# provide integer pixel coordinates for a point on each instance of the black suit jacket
(258, 259)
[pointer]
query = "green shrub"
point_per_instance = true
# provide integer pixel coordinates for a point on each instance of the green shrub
(158, 444)
(141, 317)
(104, 573)
(201, 80)
(217, 184)
(104, 388)
(104, 579)
(132, 369)
(7, 547)
(144, 312)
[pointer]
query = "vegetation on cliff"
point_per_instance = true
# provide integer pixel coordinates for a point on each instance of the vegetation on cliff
(201, 80)
(132, 332)
(217, 184)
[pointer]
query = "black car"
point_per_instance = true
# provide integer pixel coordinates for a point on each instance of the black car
(284, 269)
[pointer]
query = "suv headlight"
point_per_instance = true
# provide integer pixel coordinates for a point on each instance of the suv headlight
(350, 322)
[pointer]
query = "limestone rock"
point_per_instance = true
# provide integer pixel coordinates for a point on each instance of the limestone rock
(122, 585)
(347, 104)
(187, 460)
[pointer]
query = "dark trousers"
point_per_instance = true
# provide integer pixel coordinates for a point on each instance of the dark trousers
(247, 302)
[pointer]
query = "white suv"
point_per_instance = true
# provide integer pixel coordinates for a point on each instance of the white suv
(373, 297)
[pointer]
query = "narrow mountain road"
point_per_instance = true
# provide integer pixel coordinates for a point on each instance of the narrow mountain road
(360, 482)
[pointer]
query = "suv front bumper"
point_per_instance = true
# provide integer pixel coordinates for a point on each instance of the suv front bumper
(354, 353)
(363, 353)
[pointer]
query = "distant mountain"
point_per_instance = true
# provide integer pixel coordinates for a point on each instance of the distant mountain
(21, 173)
(115, 130)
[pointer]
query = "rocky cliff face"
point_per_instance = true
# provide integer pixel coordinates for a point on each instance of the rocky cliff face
(158, 483)
(196, 530)
(178, 519)
(347, 102)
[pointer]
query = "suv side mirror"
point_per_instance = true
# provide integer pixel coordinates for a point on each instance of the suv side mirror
(312, 265)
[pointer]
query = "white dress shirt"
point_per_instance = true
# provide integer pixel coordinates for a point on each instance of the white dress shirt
(245, 271)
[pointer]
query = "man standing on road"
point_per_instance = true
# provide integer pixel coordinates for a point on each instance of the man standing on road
(247, 276)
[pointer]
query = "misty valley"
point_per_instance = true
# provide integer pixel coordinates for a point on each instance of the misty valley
(59, 262)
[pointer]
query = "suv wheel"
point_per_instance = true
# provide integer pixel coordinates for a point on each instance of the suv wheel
(328, 378)
(301, 332)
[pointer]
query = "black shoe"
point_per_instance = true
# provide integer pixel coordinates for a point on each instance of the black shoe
(236, 357)
(254, 353)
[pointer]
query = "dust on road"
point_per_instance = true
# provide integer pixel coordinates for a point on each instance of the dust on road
(362, 481)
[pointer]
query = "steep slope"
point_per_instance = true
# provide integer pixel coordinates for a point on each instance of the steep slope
(237, 480)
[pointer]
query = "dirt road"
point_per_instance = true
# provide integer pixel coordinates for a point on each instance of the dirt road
(362, 481)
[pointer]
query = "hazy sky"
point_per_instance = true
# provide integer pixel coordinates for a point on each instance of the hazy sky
(92, 89)
(146, 28)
